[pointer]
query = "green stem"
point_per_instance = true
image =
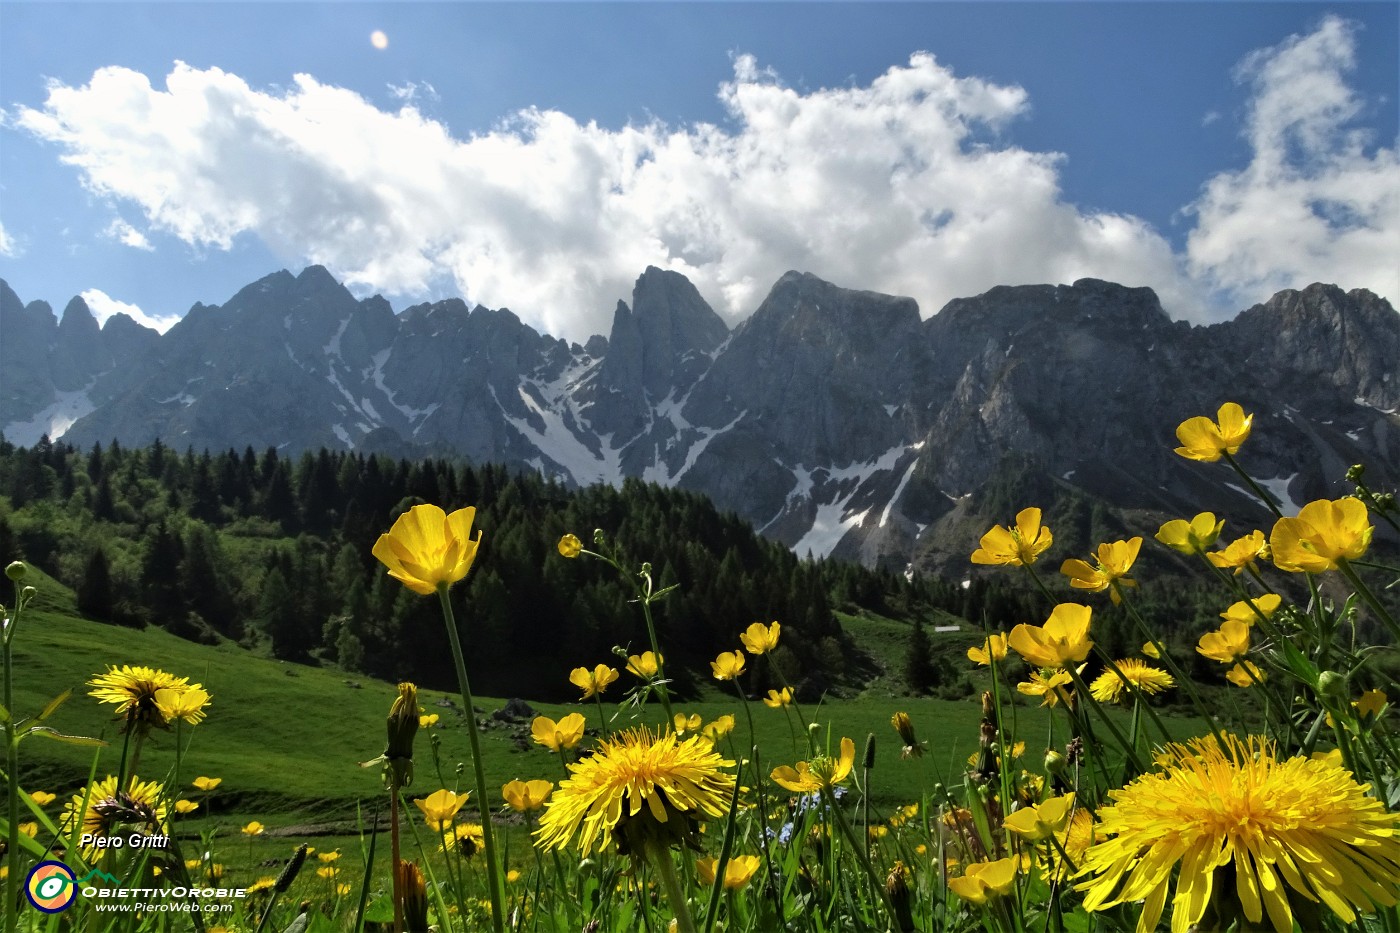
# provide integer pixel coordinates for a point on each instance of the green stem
(11, 778)
(1376, 606)
(660, 857)
(861, 857)
(1260, 493)
(493, 868)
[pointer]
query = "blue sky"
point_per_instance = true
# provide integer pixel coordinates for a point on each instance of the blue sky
(539, 155)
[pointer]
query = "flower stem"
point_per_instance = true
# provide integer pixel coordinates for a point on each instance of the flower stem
(11, 777)
(493, 868)
(660, 857)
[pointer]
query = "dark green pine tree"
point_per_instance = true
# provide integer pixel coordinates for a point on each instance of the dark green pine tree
(920, 674)
(95, 590)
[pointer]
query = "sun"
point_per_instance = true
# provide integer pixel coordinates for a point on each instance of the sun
(378, 39)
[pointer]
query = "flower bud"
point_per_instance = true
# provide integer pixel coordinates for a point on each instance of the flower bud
(1055, 763)
(17, 571)
(1331, 684)
(28, 593)
(402, 727)
(901, 899)
(869, 751)
(415, 897)
(1355, 472)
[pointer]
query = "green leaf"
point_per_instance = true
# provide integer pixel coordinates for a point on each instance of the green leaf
(48, 733)
(55, 703)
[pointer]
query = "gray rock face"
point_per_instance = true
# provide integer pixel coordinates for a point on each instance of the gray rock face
(835, 420)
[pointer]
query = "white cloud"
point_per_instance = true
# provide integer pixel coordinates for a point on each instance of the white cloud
(126, 234)
(8, 247)
(104, 306)
(1317, 201)
(907, 186)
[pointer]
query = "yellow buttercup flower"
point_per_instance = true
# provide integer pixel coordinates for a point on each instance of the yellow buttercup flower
(1241, 611)
(1370, 706)
(1043, 820)
(644, 665)
(564, 734)
(684, 723)
(206, 783)
(821, 773)
(104, 811)
(985, 880)
(524, 796)
(1228, 644)
(328, 857)
(185, 806)
(570, 546)
(1323, 533)
(594, 682)
(1049, 687)
(440, 808)
(759, 638)
(719, 728)
(1245, 674)
(737, 872)
(186, 704)
(1193, 537)
(1275, 823)
(1241, 553)
(1149, 649)
(1111, 565)
(427, 548)
(254, 828)
(993, 649)
(1109, 687)
(777, 699)
(428, 720)
(728, 665)
(1205, 440)
(42, 797)
(1062, 640)
(639, 786)
(133, 691)
(1018, 545)
(327, 871)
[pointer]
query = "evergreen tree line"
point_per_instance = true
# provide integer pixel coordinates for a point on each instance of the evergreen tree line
(275, 553)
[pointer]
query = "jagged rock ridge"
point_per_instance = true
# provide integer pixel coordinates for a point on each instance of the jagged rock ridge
(837, 421)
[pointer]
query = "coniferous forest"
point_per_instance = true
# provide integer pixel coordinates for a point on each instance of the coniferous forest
(273, 552)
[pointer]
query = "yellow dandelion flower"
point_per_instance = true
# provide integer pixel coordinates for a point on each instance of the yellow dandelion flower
(904, 727)
(1112, 562)
(264, 883)
(466, 838)
(821, 773)
(1017, 545)
(1322, 534)
(1205, 440)
(728, 665)
(133, 691)
(440, 808)
(1276, 823)
(759, 638)
(564, 734)
(777, 699)
(1110, 687)
(737, 871)
(186, 704)
(139, 808)
(1062, 640)
(639, 787)
(592, 683)
(427, 548)
(524, 796)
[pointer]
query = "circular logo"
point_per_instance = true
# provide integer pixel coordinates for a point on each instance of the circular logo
(51, 887)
